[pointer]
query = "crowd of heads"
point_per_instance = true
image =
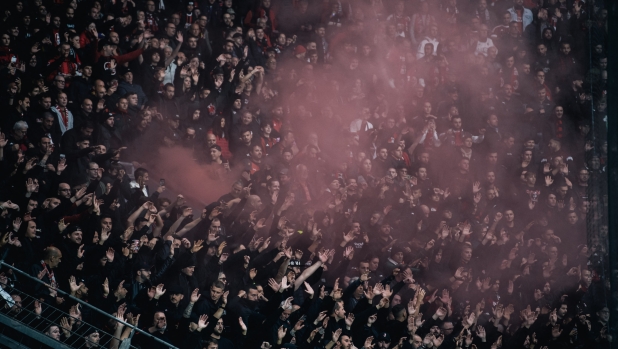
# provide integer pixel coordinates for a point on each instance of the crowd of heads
(369, 174)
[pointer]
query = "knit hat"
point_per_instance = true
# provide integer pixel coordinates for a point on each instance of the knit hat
(299, 49)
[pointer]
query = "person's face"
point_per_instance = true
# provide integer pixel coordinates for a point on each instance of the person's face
(175, 19)
(169, 92)
(123, 104)
(540, 77)
(20, 133)
(584, 175)
(25, 104)
(466, 254)
(53, 332)
(551, 200)
(603, 63)
(565, 49)
(506, 19)
(374, 219)
(247, 136)
(32, 205)
(464, 164)
(572, 218)
(76, 237)
(170, 29)
(391, 173)
(509, 216)
(433, 31)
(62, 100)
(385, 229)
(510, 62)
(428, 49)
(93, 171)
(548, 34)
(285, 314)
(363, 268)
(456, 123)
(491, 177)
(603, 314)
(422, 173)
(56, 21)
(6, 39)
(94, 13)
(253, 295)
(31, 229)
(59, 82)
(160, 320)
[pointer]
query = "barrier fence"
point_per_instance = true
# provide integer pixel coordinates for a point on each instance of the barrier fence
(28, 323)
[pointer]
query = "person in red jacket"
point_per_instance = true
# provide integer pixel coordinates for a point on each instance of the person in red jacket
(263, 11)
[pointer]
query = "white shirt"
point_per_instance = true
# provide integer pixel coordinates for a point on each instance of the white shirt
(355, 126)
(420, 53)
(169, 73)
(64, 128)
(134, 185)
(481, 47)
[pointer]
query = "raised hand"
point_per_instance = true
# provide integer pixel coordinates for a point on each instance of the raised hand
(199, 244)
(480, 332)
(73, 284)
(378, 289)
(323, 256)
(387, 292)
(66, 326)
(195, 295)
(110, 254)
(309, 289)
(202, 322)
(38, 309)
(349, 319)
(105, 287)
(368, 344)
(476, 187)
(281, 332)
(336, 335)
(242, 325)
(159, 291)
(437, 341)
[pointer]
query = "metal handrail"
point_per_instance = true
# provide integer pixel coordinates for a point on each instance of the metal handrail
(90, 306)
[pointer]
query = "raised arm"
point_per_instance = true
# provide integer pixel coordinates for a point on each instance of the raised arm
(191, 225)
(133, 217)
(323, 257)
(185, 213)
(180, 39)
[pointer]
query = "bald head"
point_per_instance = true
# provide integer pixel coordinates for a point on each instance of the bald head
(255, 202)
(52, 256)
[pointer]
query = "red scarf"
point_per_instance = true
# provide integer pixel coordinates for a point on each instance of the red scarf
(559, 129)
(50, 273)
(63, 114)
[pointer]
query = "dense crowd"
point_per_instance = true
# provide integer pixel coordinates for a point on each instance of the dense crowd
(398, 174)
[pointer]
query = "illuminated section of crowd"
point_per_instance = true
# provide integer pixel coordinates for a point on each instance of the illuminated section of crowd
(396, 174)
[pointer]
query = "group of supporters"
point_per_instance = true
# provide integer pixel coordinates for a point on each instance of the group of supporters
(403, 173)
